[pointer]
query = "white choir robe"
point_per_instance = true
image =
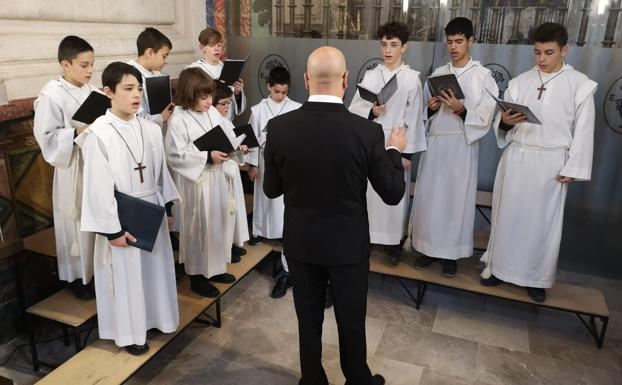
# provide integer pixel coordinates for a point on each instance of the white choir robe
(154, 116)
(387, 224)
(213, 71)
(528, 203)
(207, 214)
(444, 208)
(54, 131)
(136, 289)
(267, 213)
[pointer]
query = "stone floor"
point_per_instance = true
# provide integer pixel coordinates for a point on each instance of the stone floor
(456, 338)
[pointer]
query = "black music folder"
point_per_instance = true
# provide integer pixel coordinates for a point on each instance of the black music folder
(438, 84)
(232, 69)
(381, 97)
(215, 140)
(94, 106)
(515, 107)
(159, 94)
(250, 140)
(140, 218)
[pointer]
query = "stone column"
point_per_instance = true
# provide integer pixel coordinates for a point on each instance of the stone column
(585, 16)
(612, 22)
(278, 22)
(292, 18)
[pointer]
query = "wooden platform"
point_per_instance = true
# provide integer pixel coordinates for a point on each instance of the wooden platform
(63, 307)
(104, 363)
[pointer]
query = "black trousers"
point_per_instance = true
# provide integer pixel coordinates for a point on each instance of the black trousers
(349, 286)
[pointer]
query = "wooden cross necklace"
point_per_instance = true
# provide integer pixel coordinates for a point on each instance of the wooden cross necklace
(211, 125)
(139, 165)
(541, 89)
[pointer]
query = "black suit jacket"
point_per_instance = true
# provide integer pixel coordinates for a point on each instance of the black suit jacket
(320, 157)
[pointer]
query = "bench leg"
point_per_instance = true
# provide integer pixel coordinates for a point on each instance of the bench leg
(211, 321)
(599, 335)
(33, 343)
(65, 336)
(421, 289)
(76, 339)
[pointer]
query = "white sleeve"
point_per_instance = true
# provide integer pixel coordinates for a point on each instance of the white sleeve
(51, 133)
(413, 117)
(480, 116)
(182, 155)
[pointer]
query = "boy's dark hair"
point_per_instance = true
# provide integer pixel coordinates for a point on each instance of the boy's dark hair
(278, 75)
(191, 85)
(71, 46)
(152, 38)
(222, 92)
(209, 36)
(394, 29)
(459, 26)
(550, 32)
(114, 72)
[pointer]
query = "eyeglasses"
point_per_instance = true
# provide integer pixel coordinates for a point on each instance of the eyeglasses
(225, 103)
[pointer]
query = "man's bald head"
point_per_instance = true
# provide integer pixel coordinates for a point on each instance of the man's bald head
(326, 72)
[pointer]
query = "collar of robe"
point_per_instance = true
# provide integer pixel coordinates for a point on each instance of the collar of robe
(114, 119)
(546, 76)
(458, 71)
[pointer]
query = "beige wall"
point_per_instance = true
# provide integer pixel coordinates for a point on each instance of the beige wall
(31, 31)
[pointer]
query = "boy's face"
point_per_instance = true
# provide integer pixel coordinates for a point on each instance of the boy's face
(549, 56)
(458, 46)
(79, 71)
(157, 59)
(278, 92)
(127, 95)
(392, 50)
(223, 106)
(212, 51)
(204, 102)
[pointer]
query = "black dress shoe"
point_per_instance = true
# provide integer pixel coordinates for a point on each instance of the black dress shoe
(492, 281)
(450, 268)
(200, 285)
(281, 286)
(235, 258)
(239, 251)
(377, 379)
(395, 254)
(255, 240)
(137, 350)
(223, 278)
(424, 261)
(538, 294)
(80, 291)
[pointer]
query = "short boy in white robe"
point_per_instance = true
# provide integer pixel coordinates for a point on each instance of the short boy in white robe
(211, 43)
(387, 224)
(55, 130)
(222, 102)
(153, 51)
(538, 164)
(268, 213)
(443, 213)
(136, 289)
(205, 179)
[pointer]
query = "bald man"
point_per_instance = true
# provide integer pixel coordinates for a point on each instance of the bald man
(320, 158)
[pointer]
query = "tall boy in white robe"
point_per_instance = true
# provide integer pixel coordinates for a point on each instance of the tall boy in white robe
(211, 43)
(444, 207)
(387, 224)
(55, 131)
(538, 163)
(268, 213)
(153, 51)
(205, 181)
(222, 102)
(136, 289)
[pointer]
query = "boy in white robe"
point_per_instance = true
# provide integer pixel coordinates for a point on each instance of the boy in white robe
(211, 43)
(538, 163)
(222, 102)
(205, 181)
(153, 51)
(136, 289)
(387, 224)
(444, 208)
(268, 213)
(55, 131)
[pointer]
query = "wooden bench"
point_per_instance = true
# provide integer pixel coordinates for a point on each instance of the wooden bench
(583, 301)
(102, 362)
